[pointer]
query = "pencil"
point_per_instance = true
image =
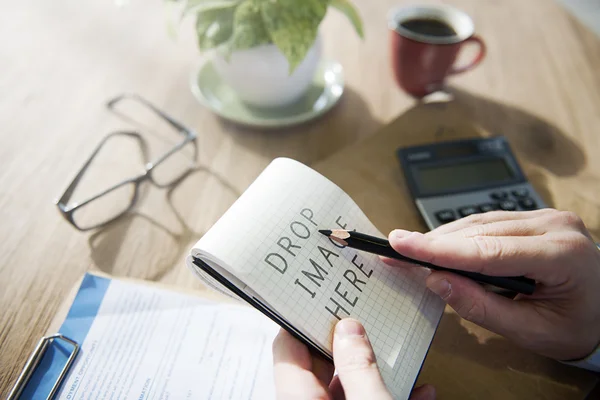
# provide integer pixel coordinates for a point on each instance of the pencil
(379, 246)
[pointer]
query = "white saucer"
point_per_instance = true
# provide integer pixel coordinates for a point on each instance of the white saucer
(324, 92)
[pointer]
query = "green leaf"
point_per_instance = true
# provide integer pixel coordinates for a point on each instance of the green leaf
(249, 29)
(214, 25)
(348, 9)
(293, 25)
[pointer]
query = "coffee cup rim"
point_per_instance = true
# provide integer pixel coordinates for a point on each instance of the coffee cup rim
(459, 20)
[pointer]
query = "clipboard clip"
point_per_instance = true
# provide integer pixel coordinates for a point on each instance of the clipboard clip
(34, 360)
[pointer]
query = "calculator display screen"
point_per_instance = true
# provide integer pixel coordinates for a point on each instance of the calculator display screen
(462, 176)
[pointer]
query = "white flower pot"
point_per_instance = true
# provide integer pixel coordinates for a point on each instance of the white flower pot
(260, 75)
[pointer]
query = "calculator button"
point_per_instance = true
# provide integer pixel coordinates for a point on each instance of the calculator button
(528, 203)
(499, 195)
(468, 210)
(445, 216)
(508, 205)
(520, 193)
(487, 207)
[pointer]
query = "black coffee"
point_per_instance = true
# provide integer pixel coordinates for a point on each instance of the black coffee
(428, 26)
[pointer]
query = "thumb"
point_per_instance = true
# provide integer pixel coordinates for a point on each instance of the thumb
(355, 363)
(473, 303)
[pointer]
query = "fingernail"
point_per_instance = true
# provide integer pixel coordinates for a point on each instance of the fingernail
(441, 287)
(400, 233)
(349, 327)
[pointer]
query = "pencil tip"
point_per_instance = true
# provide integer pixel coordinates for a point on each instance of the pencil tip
(325, 232)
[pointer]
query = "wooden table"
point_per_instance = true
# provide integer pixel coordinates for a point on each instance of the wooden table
(62, 60)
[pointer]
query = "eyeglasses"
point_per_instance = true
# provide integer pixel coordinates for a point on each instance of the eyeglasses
(110, 204)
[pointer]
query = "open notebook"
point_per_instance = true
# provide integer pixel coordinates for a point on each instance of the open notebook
(267, 250)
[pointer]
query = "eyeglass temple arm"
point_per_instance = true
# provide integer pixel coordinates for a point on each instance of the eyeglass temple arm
(111, 105)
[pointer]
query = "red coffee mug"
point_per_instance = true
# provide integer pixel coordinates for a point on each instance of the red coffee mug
(422, 58)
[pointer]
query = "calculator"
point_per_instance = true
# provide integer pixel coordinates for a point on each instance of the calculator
(451, 180)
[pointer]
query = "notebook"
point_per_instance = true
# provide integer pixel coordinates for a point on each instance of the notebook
(266, 249)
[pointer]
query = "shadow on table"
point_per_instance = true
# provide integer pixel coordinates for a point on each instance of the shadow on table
(190, 232)
(460, 361)
(349, 121)
(139, 229)
(539, 141)
(128, 231)
(542, 148)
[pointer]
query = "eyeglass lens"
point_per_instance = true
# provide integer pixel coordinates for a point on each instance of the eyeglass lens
(168, 164)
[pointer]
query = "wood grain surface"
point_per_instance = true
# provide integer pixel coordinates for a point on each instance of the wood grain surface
(62, 60)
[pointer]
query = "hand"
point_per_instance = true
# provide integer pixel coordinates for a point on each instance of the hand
(561, 319)
(302, 375)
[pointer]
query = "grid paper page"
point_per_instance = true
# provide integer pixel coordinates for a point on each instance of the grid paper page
(269, 239)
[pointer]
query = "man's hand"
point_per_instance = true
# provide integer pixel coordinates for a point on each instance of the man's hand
(302, 375)
(561, 319)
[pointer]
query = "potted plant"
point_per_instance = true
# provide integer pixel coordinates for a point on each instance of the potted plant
(266, 50)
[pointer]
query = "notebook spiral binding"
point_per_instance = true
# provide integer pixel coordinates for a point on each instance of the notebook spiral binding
(34, 360)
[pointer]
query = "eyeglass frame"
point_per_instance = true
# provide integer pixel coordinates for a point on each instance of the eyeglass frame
(189, 134)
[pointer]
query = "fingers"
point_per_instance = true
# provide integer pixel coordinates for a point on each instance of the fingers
(336, 389)
(293, 370)
(425, 392)
(516, 223)
(473, 303)
(488, 218)
(396, 263)
(523, 227)
(490, 255)
(322, 369)
(497, 243)
(355, 362)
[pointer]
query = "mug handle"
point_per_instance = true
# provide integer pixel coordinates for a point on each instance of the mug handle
(476, 61)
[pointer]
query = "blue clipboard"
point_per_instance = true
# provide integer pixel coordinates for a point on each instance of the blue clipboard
(50, 362)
